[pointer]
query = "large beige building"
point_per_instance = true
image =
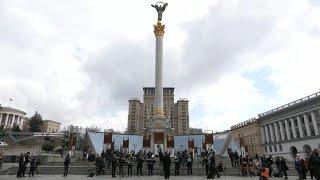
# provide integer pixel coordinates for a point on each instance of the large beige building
(50, 126)
(248, 134)
(140, 112)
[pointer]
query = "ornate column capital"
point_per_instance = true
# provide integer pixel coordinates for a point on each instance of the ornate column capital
(158, 29)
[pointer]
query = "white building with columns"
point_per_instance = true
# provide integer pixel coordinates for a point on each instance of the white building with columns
(10, 116)
(292, 128)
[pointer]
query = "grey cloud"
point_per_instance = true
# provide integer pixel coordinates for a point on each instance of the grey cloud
(211, 50)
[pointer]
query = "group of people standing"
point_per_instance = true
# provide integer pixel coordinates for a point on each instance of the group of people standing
(311, 164)
(24, 160)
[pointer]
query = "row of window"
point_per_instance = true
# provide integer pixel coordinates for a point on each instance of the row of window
(274, 149)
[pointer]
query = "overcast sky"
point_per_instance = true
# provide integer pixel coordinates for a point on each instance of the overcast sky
(80, 61)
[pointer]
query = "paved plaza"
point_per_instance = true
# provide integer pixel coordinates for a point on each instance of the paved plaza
(79, 177)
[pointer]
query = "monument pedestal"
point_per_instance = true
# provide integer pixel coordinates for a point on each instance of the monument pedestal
(159, 127)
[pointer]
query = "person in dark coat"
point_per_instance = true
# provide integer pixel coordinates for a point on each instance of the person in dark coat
(297, 166)
(66, 165)
(212, 167)
(21, 165)
(114, 163)
(99, 166)
(139, 165)
(284, 167)
(151, 163)
(166, 165)
(122, 163)
(177, 163)
(315, 162)
(33, 166)
(130, 164)
(205, 162)
(26, 162)
(219, 168)
(189, 164)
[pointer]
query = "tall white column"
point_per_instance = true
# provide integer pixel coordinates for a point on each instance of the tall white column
(281, 130)
(158, 102)
(307, 125)
(267, 133)
(300, 126)
(276, 131)
(271, 133)
(314, 122)
(0, 118)
(7, 121)
(287, 129)
(263, 135)
(293, 127)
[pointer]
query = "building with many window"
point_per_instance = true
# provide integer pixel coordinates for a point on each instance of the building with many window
(9, 117)
(50, 126)
(139, 112)
(292, 128)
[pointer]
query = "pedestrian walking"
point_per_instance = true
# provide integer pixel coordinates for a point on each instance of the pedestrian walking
(265, 174)
(284, 167)
(297, 166)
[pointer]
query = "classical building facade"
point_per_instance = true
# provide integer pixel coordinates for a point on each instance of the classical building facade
(248, 134)
(10, 117)
(292, 128)
(50, 126)
(140, 112)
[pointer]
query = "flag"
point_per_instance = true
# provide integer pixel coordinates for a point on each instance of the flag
(170, 142)
(107, 138)
(125, 143)
(191, 143)
(146, 141)
(209, 139)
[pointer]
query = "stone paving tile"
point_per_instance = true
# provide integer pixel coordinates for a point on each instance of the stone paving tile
(79, 177)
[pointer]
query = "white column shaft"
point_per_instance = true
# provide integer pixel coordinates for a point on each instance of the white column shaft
(159, 72)
(275, 125)
(307, 125)
(267, 133)
(7, 121)
(287, 129)
(0, 118)
(293, 127)
(314, 122)
(271, 133)
(300, 126)
(281, 130)
(263, 135)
